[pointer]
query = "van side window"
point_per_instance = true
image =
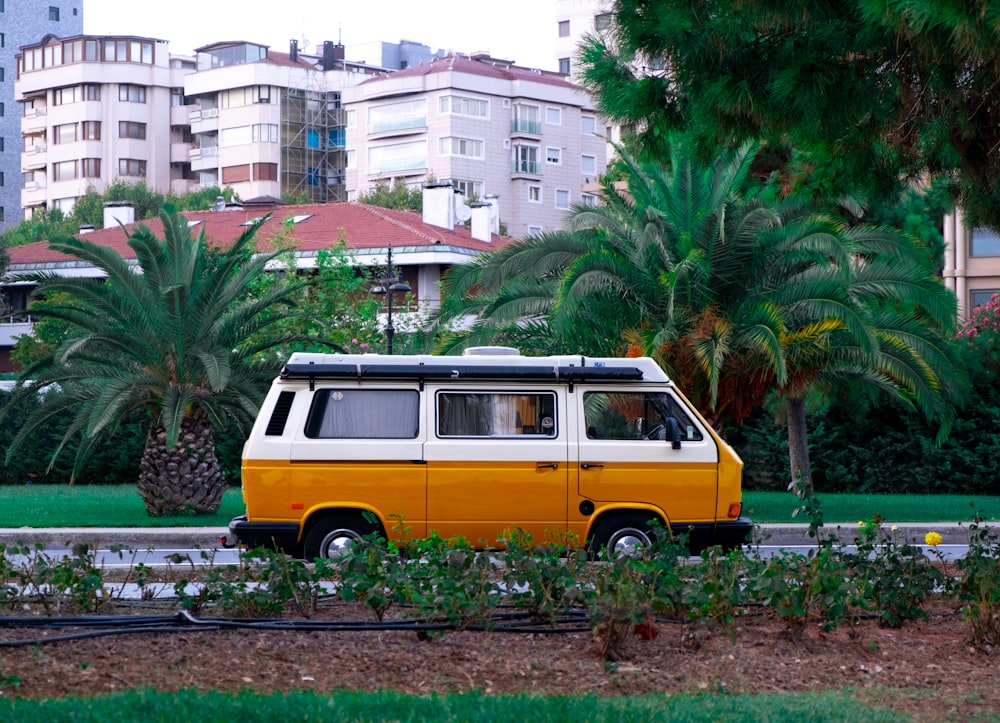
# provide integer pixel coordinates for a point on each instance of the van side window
(363, 414)
(468, 414)
(635, 415)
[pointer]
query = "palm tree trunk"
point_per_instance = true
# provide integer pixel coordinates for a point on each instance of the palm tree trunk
(798, 446)
(186, 479)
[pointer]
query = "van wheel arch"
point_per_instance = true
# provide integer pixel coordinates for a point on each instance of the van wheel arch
(331, 531)
(622, 532)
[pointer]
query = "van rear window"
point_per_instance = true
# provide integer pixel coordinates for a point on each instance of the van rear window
(363, 414)
(469, 414)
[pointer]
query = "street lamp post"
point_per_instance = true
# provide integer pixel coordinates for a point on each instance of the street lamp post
(389, 285)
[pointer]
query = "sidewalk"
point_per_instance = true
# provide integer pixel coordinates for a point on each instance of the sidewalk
(173, 538)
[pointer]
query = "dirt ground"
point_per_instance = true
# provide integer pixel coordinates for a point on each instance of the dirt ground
(925, 669)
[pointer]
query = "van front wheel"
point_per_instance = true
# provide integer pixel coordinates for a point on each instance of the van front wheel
(626, 534)
(331, 536)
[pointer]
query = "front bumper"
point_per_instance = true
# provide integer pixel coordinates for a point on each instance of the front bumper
(280, 536)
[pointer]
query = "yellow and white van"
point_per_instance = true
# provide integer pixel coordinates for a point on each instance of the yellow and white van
(561, 447)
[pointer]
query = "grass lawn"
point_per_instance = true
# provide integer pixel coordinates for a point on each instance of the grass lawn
(121, 506)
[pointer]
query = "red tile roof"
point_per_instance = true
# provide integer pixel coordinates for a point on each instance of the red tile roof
(364, 227)
(478, 65)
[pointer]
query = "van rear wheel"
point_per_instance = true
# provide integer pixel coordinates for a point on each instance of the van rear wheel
(333, 535)
(624, 534)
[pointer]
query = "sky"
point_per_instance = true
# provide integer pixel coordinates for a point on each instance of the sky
(520, 30)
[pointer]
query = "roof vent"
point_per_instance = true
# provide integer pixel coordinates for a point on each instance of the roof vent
(491, 351)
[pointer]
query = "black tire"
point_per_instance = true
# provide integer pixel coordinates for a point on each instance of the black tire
(331, 535)
(626, 533)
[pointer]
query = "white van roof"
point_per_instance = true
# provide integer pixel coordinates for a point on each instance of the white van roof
(499, 366)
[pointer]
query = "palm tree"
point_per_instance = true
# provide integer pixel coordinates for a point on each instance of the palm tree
(169, 336)
(735, 297)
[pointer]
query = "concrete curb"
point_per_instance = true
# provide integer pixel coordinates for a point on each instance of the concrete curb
(174, 538)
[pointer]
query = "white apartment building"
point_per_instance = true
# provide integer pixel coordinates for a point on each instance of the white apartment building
(271, 124)
(491, 128)
(97, 109)
(23, 22)
(574, 20)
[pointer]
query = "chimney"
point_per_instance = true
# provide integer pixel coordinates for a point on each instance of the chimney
(118, 212)
(332, 53)
(481, 220)
(86, 228)
(494, 200)
(293, 50)
(439, 205)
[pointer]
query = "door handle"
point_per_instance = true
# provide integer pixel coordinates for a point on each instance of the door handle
(551, 465)
(591, 465)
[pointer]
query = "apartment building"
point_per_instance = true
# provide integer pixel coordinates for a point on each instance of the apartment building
(23, 22)
(487, 126)
(96, 109)
(574, 20)
(971, 263)
(268, 123)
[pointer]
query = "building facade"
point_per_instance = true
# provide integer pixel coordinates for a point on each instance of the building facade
(574, 20)
(95, 109)
(971, 263)
(489, 127)
(23, 22)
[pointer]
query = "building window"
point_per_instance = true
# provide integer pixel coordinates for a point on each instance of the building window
(268, 133)
(534, 230)
(588, 165)
(65, 96)
(535, 194)
(527, 119)
(131, 129)
(3, 41)
(468, 147)
(604, 21)
(460, 105)
(53, 13)
(237, 136)
(553, 116)
(64, 171)
(1, 74)
(132, 93)
(265, 171)
(404, 115)
(236, 174)
(177, 97)
(588, 200)
(2, 110)
(588, 125)
(562, 198)
(65, 133)
(91, 130)
(90, 167)
(526, 159)
(981, 297)
(471, 189)
(1, 144)
(553, 155)
(984, 243)
(564, 66)
(397, 157)
(131, 167)
(1, 178)
(91, 91)
(564, 28)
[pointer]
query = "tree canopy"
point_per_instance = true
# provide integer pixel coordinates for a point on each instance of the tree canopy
(874, 94)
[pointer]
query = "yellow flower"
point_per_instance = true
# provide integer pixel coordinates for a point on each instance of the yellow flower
(933, 539)
(893, 528)
(861, 523)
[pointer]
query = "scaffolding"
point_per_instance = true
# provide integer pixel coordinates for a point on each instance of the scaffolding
(313, 136)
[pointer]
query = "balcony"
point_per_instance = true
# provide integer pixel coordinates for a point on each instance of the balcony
(34, 121)
(34, 157)
(520, 126)
(526, 168)
(204, 120)
(13, 326)
(398, 125)
(204, 158)
(180, 152)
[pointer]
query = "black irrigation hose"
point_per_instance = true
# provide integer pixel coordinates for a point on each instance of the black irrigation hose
(184, 622)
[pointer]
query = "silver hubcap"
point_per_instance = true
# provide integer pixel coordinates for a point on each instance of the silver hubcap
(630, 541)
(337, 542)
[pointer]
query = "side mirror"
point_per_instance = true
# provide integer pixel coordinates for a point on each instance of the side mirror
(673, 432)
